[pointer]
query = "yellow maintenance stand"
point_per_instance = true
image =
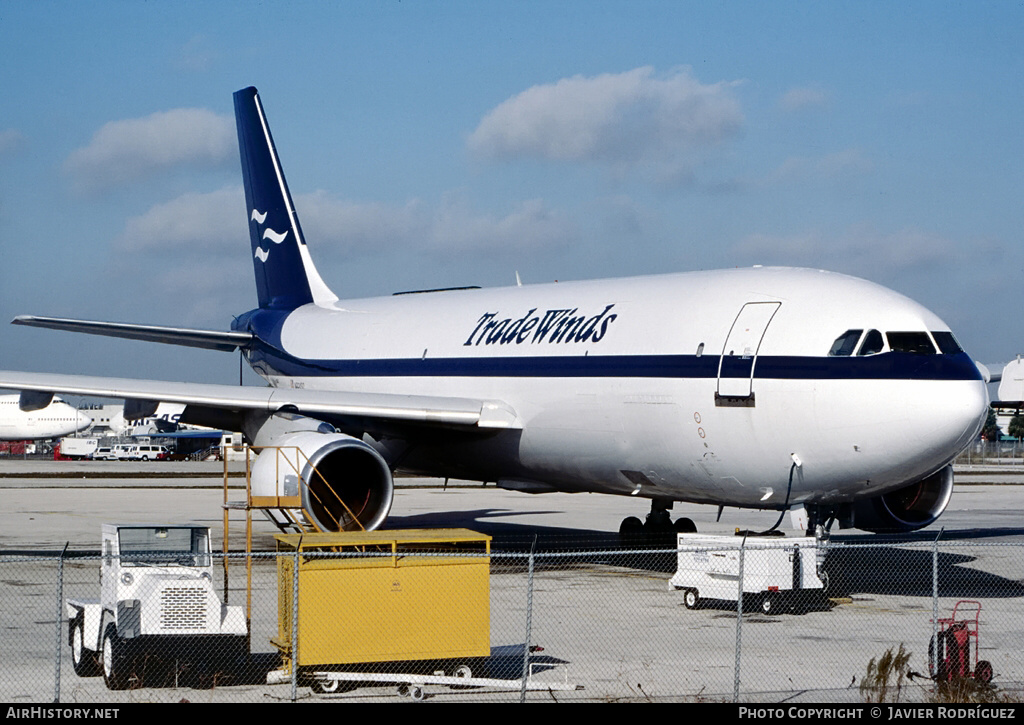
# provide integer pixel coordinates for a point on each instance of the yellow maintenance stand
(382, 596)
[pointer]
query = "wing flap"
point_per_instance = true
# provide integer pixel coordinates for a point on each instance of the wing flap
(413, 408)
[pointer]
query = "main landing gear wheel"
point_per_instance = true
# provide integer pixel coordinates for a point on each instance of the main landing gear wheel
(685, 526)
(631, 526)
(631, 532)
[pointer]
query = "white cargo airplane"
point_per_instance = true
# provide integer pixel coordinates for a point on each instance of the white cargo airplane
(53, 419)
(766, 388)
(165, 419)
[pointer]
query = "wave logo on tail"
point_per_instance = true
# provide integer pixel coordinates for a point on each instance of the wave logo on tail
(272, 234)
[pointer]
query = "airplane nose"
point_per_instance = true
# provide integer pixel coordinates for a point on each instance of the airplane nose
(960, 414)
(84, 421)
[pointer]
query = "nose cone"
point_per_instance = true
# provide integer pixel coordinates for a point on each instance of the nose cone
(83, 421)
(955, 417)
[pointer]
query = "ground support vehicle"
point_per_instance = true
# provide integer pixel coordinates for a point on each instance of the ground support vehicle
(103, 453)
(778, 574)
(78, 448)
(954, 656)
(158, 614)
(407, 607)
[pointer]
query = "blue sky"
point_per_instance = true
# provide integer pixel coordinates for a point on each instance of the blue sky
(432, 144)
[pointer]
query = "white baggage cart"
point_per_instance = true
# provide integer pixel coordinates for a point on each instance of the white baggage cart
(778, 574)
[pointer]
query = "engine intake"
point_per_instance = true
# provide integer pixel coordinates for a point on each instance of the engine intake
(343, 483)
(905, 509)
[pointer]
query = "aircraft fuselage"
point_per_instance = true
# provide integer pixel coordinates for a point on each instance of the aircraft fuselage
(698, 386)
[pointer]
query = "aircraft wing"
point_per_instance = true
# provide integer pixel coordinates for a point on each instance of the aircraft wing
(386, 406)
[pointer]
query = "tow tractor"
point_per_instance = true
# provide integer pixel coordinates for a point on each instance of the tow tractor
(952, 658)
(157, 605)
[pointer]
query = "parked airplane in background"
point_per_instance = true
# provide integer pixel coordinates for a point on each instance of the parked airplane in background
(165, 419)
(768, 388)
(53, 420)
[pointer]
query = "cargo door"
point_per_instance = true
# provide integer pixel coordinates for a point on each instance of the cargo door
(736, 367)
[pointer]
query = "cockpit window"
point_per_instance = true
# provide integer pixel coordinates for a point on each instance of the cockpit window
(873, 343)
(915, 342)
(845, 344)
(947, 343)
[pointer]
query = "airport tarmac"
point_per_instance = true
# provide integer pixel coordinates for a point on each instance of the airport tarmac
(52, 503)
(611, 622)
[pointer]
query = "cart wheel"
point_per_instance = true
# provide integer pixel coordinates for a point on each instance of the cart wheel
(84, 661)
(325, 687)
(462, 671)
(416, 693)
(768, 604)
(983, 672)
(691, 599)
(115, 664)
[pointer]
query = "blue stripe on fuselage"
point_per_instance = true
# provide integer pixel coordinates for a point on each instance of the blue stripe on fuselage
(886, 366)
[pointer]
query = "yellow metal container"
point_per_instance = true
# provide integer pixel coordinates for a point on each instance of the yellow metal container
(385, 596)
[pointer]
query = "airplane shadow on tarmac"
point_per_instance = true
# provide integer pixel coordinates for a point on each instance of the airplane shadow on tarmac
(908, 572)
(882, 566)
(508, 536)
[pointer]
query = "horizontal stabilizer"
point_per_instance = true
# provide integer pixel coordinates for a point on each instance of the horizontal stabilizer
(387, 406)
(206, 339)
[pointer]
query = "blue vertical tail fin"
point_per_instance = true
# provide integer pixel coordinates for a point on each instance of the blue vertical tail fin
(285, 275)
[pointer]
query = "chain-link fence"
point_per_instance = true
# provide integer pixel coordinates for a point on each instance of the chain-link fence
(814, 624)
(985, 452)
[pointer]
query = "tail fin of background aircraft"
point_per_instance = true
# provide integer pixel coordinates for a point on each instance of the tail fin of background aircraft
(285, 275)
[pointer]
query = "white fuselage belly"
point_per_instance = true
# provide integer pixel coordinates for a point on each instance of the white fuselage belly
(856, 438)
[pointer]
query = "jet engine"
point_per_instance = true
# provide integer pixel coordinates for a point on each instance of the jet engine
(905, 509)
(343, 483)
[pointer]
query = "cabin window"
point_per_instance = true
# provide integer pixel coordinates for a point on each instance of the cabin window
(947, 343)
(845, 344)
(873, 343)
(914, 342)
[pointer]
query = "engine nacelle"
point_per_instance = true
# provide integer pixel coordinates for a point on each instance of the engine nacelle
(906, 509)
(343, 483)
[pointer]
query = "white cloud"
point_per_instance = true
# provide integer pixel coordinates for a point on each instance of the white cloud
(624, 119)
(214, 221)
(122, 151)
(339, 228)
(349, 228)
(799, 99)
(455, 228)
